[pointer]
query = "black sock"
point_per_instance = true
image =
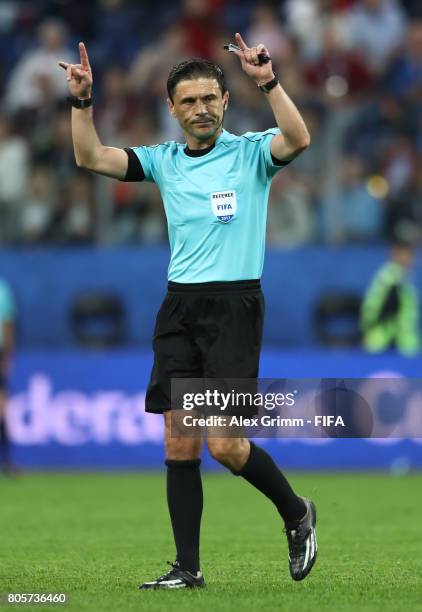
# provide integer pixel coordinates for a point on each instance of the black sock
(261, 471)
(185, 500)
(4, 442)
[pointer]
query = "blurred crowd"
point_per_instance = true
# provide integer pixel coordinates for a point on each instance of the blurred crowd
(354, 68)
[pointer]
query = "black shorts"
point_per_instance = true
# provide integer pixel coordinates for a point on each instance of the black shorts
(205, 330)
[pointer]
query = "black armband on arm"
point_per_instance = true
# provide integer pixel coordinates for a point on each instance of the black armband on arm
(280, 162)
(135, 172)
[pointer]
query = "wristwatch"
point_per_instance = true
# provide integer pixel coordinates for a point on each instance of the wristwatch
(267, 87)
(80, 103)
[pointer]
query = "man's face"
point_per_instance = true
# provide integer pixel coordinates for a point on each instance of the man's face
(199, 105)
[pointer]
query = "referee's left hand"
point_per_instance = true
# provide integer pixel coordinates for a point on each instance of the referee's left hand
(249, 59)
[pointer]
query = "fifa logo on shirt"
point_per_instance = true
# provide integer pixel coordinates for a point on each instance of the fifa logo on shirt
(224, 205)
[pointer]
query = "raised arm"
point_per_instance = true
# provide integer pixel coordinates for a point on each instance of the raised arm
(294, 136)
(89, 151)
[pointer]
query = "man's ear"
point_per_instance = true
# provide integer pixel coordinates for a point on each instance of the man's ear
(170, 106)
(226, 100)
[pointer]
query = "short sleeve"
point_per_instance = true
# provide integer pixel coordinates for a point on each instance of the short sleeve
(7, 303)
(261, 147)
(272, 164)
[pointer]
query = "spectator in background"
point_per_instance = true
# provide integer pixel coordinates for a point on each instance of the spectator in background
(310, 165)
(155, 60)
(377, 128)
(9, 14)
(36, 71)
(7, 343)
(119, 26)
(60, 152)
(14, 168)
(404, 211)
(137, 209)
(413, 7)
(353, 214)
(358, 108)
(404, 76)
(198, 21)
(148, 73)
(376, 28)
(266, 26)
(138, 214)
(79, 15)
(74, 215)
(390, 309)
(397, 160)
(35, 216)
(305, 20)
(291, 219)
(340, 81)
(248, 107)
(339, 75)
(117, 105)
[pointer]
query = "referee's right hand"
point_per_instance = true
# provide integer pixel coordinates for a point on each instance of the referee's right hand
(79, 76)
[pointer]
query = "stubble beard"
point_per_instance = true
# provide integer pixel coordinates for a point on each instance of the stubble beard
(202, 136)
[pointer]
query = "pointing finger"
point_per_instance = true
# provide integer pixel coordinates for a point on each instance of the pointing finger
(241, 42)
(83, 55)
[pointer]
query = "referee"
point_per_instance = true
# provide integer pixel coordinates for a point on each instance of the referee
(215, 192)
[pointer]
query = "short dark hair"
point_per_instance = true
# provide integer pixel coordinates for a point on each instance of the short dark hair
(194, 69)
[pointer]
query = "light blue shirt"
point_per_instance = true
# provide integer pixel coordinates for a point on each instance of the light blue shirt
(7, 307)
(216, 205)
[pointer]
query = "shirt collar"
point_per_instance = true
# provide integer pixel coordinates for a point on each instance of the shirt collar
(200, 152)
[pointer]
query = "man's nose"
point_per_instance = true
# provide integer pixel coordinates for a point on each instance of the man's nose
(201, 108)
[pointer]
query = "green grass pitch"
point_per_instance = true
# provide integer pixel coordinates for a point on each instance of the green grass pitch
(96, 536)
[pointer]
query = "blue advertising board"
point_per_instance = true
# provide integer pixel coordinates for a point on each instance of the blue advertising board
(46, 283)
(82, 410)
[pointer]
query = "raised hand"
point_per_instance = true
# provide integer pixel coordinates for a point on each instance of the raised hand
(249, 59)
(79, 76)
